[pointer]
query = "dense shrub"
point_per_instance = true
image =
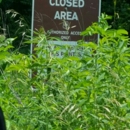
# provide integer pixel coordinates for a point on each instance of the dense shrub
(85, 91)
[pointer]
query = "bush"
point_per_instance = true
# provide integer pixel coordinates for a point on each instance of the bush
(85, 91)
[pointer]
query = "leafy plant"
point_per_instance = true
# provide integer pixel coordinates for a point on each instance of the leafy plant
(15, 20)
(119, 10)
(86, 90)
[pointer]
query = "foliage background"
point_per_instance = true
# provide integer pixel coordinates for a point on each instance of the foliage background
(86, 91)
(118, 9)
(17, 21)
(68, 93)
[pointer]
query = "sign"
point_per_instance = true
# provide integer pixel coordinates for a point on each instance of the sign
(65, 19)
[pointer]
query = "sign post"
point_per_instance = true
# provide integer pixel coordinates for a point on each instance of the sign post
(65, 18)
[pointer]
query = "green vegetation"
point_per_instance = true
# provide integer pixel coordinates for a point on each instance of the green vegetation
(15, 21)
(87, 91)
(119, 10)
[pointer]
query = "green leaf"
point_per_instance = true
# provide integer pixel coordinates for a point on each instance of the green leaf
(3, 55)
(2, 38)
(122, 31)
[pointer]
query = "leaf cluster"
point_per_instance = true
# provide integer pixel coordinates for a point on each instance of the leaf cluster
(86, 87)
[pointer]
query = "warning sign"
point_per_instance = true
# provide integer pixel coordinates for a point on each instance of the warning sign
(66, 19)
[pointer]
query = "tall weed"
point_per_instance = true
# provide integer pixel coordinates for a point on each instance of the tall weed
(85, 91)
